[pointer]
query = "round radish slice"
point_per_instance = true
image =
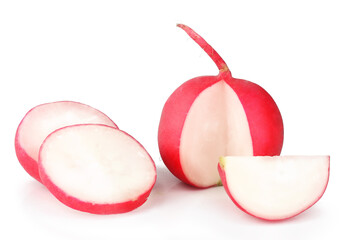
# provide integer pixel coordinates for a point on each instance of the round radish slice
(43, 119)
(96, 169)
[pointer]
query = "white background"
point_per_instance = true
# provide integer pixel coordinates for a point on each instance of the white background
(125, 58)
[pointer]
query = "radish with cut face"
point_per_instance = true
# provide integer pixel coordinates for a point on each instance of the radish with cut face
(212, 116)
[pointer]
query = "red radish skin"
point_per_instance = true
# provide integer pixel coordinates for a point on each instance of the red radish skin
(89, 207)
(226, 187)
(263, 116)
(30, 164)
(27, 162)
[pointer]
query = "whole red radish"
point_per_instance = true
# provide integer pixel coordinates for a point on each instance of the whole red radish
(212, 116)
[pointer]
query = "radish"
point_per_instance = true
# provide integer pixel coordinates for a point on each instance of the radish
(274, 188)
(96, 168)
(43, 119)
(212, 116)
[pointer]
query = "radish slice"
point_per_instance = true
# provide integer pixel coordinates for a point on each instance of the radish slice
(96, 169)
(274, 188)
(43, 119)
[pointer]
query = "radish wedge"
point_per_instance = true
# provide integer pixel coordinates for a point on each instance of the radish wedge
(274, 188)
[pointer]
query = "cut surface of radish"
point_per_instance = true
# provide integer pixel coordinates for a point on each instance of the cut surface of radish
(274, 188)
(96, 169)
(216, 125)
(43, 119)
